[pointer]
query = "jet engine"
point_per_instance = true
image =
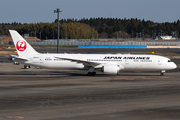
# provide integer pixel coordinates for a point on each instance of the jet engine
(111, 69)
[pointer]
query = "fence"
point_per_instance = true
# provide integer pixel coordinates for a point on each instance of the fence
(97, 43)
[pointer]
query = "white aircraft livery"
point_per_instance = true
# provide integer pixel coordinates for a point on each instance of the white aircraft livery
(107, 63)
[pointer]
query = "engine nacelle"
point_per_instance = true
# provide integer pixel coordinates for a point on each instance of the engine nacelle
(111, 69)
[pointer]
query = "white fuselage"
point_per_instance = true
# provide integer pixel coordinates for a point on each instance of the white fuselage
(126, 61)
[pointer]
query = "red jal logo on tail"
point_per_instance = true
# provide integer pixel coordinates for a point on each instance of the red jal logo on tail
(21, 45)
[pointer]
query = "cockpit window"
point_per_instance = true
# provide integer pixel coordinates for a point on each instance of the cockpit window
(169, 60)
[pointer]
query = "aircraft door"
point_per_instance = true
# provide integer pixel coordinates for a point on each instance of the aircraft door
(159, 61)
(162, 64)
(126, 62)
(38, 60)
(41, 60)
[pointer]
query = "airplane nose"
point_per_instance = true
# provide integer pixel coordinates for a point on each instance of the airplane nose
(174, 66)
(171, 66)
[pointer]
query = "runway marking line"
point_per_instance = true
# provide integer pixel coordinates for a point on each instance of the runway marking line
(126, 78)
(164, 77)
(134, 78)
(12, 117)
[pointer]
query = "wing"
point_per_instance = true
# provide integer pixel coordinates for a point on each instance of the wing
(83, 61)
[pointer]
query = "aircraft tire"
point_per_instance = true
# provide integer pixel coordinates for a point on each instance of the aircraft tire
(161, 74)
(91, 73)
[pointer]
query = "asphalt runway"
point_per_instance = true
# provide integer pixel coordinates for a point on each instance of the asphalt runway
(42, 94)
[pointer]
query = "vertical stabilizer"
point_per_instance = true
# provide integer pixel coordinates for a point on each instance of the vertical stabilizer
(22, 46)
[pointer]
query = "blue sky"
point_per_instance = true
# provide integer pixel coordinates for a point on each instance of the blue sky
(33, 11)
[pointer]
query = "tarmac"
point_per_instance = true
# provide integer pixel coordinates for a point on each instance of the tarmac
(43, 94)
(61, 94)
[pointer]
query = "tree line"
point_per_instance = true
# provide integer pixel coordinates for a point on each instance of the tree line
(67, 30)
(95, 28)
(133, 27)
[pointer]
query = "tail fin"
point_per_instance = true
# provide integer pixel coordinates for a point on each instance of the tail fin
(22, 46)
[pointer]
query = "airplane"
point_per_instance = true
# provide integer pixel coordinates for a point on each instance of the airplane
(107, 63)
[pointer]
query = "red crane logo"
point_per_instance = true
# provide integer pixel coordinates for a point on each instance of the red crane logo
(21, 45)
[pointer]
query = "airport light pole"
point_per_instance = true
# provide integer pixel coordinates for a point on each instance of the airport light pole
(57, 11)
(40, 35)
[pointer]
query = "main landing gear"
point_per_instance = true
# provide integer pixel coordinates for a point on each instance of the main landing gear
(162, 73)
(91, 72)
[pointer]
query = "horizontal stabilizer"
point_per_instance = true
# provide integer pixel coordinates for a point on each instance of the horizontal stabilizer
(20, 58)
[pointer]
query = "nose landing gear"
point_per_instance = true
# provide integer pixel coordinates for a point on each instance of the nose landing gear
(162, 73)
